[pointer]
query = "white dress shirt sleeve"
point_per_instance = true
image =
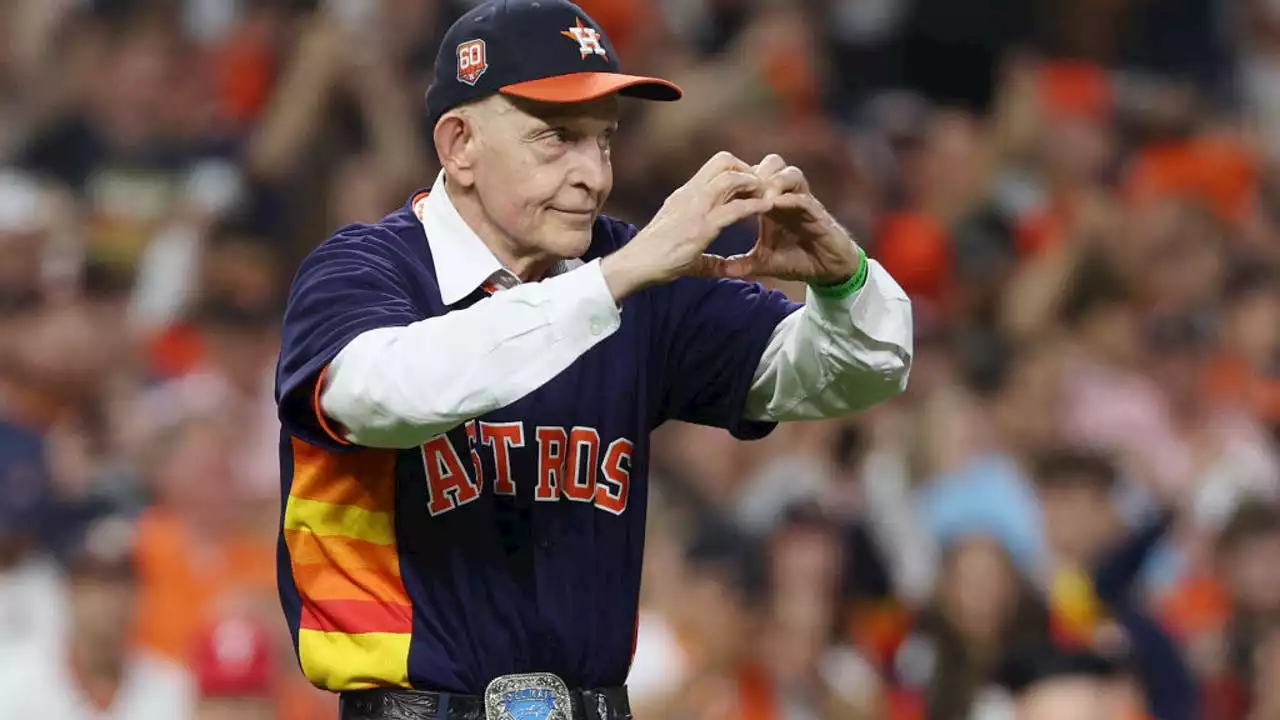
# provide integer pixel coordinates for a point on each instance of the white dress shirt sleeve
(397, 387)
(834, 357)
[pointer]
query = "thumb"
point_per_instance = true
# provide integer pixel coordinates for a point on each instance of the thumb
(738, 266)
(707, 266)
(714, 266)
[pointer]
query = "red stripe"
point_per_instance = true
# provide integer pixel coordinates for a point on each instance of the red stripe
(356, 616)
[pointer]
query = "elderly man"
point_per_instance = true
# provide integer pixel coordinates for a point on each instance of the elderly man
(468, 386)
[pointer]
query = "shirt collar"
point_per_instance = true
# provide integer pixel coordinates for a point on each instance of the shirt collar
(463, 262)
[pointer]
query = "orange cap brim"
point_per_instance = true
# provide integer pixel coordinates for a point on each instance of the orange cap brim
(583, 86)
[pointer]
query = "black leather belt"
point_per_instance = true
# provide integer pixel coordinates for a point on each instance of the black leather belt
(395, 704)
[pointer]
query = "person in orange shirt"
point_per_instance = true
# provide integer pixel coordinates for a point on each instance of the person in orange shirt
(195, 555)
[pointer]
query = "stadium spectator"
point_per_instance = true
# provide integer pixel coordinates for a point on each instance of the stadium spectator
(992, 491)
(1077, 497)
(984, 612)
(95, 672)
(1050, 684)
(234, 667)
(32, 592)
(198, 550)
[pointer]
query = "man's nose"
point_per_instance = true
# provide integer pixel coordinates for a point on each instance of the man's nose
(593, 172)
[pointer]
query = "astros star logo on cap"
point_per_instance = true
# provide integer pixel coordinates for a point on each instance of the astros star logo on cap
(588, 39)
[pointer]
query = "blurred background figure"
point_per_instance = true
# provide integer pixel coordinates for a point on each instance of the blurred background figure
(1055, 685)
(1081, 196)
(95, 672)
(235, 669)
(713, 623)
(984, 612)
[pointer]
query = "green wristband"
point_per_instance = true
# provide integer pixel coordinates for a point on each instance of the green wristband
(848, 287)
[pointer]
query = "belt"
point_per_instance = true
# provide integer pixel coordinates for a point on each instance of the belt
(397, 704)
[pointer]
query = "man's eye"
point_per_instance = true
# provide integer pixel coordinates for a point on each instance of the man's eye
(560, 135)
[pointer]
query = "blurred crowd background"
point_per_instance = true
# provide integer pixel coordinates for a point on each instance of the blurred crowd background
(1081, 196)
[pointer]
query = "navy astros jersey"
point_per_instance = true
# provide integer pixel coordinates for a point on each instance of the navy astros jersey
(514, 542)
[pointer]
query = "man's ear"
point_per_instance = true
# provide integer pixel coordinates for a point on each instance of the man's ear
(455, 146)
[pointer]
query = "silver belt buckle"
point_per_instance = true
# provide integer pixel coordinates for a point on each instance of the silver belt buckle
(531, 696)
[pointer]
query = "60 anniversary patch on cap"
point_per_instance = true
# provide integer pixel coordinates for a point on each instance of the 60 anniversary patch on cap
(543, 50)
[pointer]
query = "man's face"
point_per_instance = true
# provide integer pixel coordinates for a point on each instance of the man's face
(543, 172)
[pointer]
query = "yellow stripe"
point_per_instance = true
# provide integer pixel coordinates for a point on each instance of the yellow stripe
(324, 518)
(338, 661)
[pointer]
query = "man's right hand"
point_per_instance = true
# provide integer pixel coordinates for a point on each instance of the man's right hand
(723, 192)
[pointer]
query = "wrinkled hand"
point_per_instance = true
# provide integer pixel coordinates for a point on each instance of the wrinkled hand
(724, 191)
(798, 238)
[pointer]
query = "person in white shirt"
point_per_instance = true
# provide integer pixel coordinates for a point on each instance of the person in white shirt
(94, 674)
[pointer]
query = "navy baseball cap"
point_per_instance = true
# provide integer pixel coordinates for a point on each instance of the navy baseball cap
(542, 50)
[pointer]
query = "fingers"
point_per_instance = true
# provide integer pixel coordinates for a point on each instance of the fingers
(738, 209)
(732, 183)
(770, 166)
(779, 177)
(798, 201)
(714, 266)
(706, 266)
(719, 163)
(789, 179)
(737, 266)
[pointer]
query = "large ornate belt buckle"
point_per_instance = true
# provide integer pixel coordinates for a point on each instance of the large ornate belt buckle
(531, 696)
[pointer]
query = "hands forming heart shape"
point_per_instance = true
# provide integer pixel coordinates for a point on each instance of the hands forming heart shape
(797, 239)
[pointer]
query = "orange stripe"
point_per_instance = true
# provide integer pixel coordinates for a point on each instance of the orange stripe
(320, 418)
(325, 583)
(339, 568)
(364, 478)
(356, 616)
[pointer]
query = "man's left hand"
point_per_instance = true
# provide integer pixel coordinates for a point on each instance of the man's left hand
(798, 238)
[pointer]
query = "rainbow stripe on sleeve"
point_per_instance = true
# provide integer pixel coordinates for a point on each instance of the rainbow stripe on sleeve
(339, 525)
